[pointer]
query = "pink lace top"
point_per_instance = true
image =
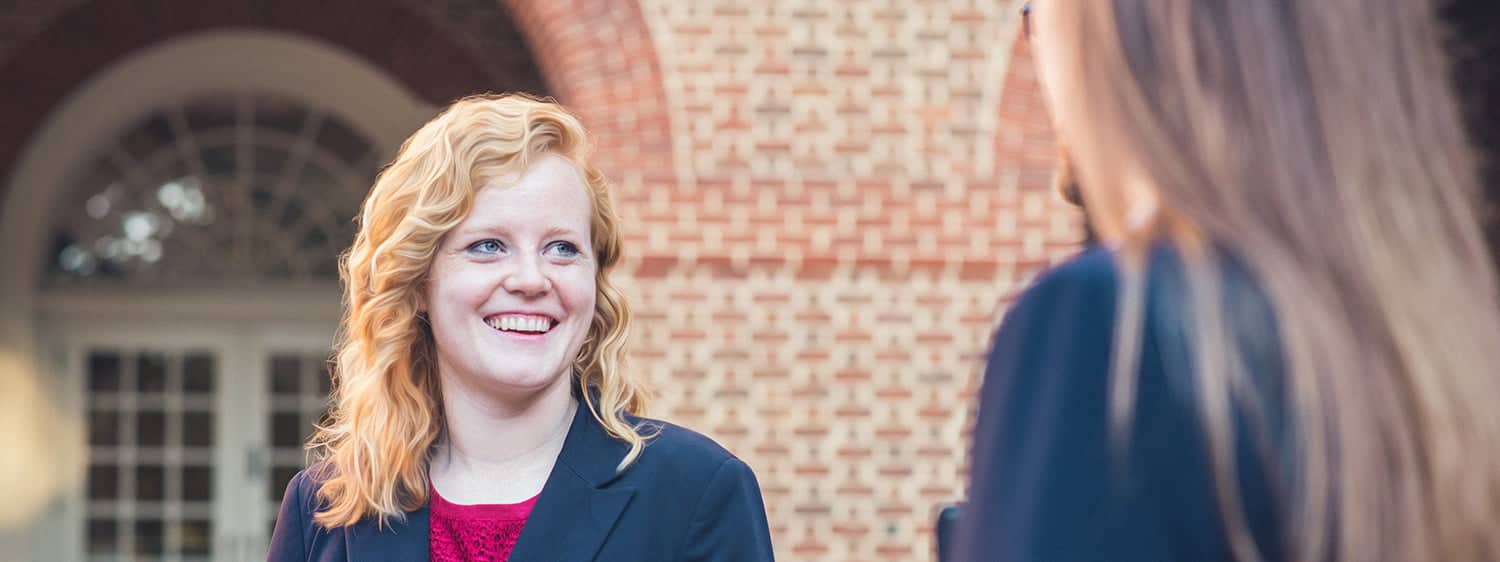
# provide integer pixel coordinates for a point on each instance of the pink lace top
(475, 533)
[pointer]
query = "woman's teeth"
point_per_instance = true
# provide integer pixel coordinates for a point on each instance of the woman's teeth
(519, 323)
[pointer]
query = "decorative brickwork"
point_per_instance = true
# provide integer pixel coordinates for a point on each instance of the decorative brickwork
(858, 189)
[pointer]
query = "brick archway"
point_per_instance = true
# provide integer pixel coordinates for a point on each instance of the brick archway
(431, 62)
(598, 58)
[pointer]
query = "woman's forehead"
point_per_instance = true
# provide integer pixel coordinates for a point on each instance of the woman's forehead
(550, 194)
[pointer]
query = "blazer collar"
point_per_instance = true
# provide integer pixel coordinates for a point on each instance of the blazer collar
(578, 507)
(574, 514)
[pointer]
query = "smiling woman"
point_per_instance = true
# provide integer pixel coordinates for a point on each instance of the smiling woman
(481, 411)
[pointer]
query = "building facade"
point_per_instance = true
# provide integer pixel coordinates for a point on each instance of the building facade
(826, 207)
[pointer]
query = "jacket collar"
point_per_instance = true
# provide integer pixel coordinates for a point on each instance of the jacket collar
(576, 511)
(578, 506)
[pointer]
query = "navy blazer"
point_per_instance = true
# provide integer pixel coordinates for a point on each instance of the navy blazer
(684, 499)
(1049, 483)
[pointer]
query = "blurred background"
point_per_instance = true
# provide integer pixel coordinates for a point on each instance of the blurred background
(826, 206)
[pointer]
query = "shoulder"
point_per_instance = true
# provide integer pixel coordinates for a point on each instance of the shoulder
(1058, 332)
(703, 497)
(1093, 272)
(295, 530)
(1072, 305)
(1086, 288)
(1057, 341)
(304, 490)
(304, 485)
(1082, 288)
(680, 462)
(311, 478)
(680, 451)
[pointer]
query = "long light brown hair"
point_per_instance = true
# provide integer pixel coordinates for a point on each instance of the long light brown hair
(1319, 144)
(387, 410)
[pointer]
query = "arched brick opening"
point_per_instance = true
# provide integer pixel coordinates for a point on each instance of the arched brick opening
(598, 58)
(432, 62)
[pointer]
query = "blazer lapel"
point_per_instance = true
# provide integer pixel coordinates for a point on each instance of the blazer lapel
(397, 542)
(577, 509)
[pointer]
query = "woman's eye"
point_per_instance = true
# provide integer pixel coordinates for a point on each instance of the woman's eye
(563, 249)
(490, 246)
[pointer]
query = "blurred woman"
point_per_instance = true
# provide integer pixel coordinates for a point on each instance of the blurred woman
(1286, 352)
(481, 411)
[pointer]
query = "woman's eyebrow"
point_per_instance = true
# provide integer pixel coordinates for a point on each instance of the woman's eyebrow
(560, 231)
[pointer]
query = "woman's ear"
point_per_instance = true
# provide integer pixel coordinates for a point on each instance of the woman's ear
(1064, 180)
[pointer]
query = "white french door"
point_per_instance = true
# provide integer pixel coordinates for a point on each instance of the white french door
(194, 428)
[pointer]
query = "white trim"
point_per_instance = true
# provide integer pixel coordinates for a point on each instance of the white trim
(112, 309)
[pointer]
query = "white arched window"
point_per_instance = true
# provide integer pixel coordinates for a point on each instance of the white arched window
(221, 188)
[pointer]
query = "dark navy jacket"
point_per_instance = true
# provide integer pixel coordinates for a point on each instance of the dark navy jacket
(684, 499)
(1049, 484)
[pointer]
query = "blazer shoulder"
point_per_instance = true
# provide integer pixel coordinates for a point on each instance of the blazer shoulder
(1079, 292)
(1093, 271)
(310, 478)
(680, 452)
(295, 532)
(305, 485)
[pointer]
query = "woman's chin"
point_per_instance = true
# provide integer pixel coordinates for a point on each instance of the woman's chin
(522, 383)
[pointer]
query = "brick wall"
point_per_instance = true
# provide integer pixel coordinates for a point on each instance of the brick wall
(857, 188)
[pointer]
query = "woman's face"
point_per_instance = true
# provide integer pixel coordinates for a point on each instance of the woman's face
(510, 294)
(1127, 201)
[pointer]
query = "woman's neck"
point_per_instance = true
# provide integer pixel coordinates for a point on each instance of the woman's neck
(496, 450)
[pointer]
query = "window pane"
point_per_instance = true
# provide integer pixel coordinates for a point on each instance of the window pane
(150, 483)
(103, 536)
(286, 430)
(151, 372)
(104, 428)
(104, 482)
(197, 483)
(195, 537)
(219, 162)
(151, 429)
(151, 135)
(286, 374)
(104, 372)
(197, 429)
(338, 138)
(148, 539)
(279, 114)
(270, 163)
(210, 112)
(280, 477)
(198, 374)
